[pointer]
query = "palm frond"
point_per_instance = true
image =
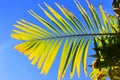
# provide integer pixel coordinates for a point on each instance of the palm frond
(41, 45)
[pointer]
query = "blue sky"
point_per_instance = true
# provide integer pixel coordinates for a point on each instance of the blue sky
(14, 65)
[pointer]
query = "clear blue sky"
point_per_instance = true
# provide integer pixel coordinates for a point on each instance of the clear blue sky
(14, 65)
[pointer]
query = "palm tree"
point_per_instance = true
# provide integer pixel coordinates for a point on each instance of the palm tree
(42, 45)
(107, 62)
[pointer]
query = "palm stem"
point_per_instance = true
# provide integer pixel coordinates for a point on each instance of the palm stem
(78, 35)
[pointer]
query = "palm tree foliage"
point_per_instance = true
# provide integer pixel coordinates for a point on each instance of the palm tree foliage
(42, 45)
(107, 62)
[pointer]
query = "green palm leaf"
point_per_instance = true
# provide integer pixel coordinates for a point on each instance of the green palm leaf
(41, 45)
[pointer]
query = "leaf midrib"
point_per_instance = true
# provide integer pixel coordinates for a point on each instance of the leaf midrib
(78, 35)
